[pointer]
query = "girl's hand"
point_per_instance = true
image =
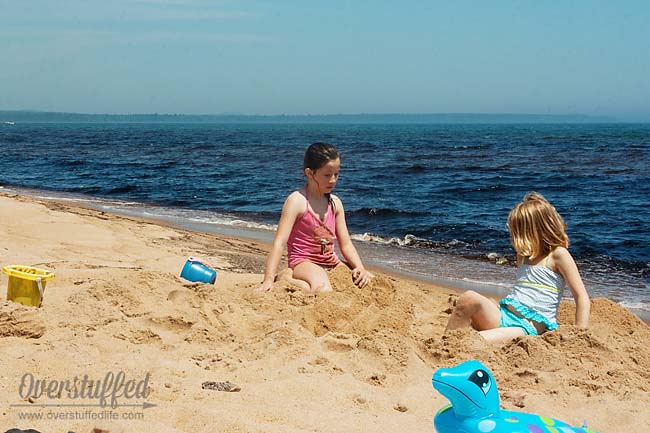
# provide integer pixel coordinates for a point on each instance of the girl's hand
(265, 287)
(361, 277)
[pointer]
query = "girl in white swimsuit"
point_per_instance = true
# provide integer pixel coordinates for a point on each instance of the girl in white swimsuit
(545, 268)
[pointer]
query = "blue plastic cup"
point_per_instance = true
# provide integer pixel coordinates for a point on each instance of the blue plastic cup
(196, 271)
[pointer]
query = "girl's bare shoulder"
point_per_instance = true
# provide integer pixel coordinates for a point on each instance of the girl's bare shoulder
(559, 252)
(561, 255)
(296, 202)
(337, 201)
(296, 196)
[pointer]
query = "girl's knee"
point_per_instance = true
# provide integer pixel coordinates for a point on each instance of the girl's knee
(284, 275)
(469, 303)
(469, 299)
(314, 276)
(320, 286)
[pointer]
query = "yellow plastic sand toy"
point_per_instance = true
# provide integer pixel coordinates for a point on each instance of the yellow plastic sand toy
(26, 284)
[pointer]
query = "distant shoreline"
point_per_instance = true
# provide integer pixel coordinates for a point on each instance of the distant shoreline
(18, 116)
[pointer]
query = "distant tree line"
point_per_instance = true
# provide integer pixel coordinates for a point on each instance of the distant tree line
(56, 117)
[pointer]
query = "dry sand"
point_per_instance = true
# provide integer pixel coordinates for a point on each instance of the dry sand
(349, 361)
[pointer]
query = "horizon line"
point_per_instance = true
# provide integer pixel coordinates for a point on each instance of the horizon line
(228, 114)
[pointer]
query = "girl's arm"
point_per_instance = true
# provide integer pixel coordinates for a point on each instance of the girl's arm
(360, 276)
(293, 206)
(568, 269)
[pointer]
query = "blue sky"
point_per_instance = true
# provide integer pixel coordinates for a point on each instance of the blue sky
(325, 57)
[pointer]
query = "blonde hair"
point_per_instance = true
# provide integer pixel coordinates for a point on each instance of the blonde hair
(535, 227)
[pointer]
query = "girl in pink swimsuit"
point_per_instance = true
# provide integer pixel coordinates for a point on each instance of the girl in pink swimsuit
(312, 218)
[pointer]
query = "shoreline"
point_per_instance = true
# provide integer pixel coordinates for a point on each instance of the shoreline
(118, 304)
(265, 239)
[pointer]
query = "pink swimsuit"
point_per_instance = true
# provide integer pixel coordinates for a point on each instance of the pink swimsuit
(312, 239)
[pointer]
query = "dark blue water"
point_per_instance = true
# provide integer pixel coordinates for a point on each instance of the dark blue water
(429, 190)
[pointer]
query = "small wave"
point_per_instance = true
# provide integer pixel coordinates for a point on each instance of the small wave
(200, 146)
(166, 164)
(72, 163)
(225, 221)
(88, 190)
(642, 305)
(97, 201)
(408, 240)
(456, 246)
(619, 171)
(253, 225)
(417, 168)
(373, 211)
(202, 217)
(122, 189)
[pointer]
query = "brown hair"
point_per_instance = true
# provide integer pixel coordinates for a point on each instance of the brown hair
(536, 228)
(319, 154)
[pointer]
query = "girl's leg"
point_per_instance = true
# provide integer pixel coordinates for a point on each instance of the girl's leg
(474, 309)
(501, 335)
(287, 275)
(314, 275)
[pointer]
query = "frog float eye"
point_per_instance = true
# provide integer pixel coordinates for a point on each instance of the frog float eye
(481, 378)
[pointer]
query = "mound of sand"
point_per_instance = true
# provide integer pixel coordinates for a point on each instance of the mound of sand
(17, 320)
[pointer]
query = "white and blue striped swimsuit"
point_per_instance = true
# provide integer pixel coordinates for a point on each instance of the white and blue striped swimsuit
(537, 294)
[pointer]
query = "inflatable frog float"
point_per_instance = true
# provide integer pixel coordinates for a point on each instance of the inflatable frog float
(474, 408)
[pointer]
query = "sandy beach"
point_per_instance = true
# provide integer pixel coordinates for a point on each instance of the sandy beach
(349, 361)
